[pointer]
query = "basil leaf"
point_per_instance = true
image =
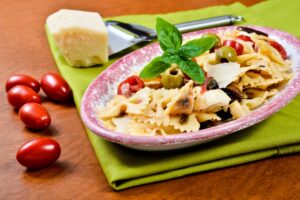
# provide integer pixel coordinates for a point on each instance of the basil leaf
(192, 70)
(171, 59)
(189, 51)
(168, 35)
(189, 67)
(204, 43)
(154, 68)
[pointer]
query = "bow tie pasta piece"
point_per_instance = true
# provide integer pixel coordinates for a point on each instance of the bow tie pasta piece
(154, 83)
(206, 59)
(155, 112)
(203, 117)
(264, 48)
(213, 101)
(120, 105)
(237, 110)
(138, 102)
(183, 102)
(248, 47)
(113, 108)
(160, 99)
(256, 97)
(109, 124)
(282, 70)
(229, 34)
(185, 122)
(122, 123)
(256, 80)
(197, 95)
(138, 128)
(253, 59)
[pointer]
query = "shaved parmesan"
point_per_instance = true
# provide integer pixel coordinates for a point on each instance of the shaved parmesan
(224, 73)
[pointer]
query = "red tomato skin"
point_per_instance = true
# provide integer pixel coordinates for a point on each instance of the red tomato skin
(55, 87)
(21, 79)
(135, 83)
(279, 48)
(34, 116)
(21, 94)
(239, 48)
(38, 153)
(244, 38)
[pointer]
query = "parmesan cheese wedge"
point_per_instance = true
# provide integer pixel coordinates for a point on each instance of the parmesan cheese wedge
(80, 36)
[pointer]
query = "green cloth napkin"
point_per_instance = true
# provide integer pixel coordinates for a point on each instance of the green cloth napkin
(278, 135)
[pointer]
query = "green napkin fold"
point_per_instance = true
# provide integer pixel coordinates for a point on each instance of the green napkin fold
(278, 135)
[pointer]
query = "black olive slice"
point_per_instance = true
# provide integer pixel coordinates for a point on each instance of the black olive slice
(212, 84)
(250, 30)
(233, 92)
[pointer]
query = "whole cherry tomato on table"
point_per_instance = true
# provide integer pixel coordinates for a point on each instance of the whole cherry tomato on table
(279, 48)
(38, 153)
(55, 87)
(238, 47)
(21, 94)
(20, 79)
(131, 85)
(34, 116)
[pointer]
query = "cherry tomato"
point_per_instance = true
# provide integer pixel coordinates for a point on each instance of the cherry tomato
(20, 79)
(21, 94)
(131, 85)
(244, 38)
(38, 153)
(238, 47)
(279, 48)
(55, 87)
(34, 116)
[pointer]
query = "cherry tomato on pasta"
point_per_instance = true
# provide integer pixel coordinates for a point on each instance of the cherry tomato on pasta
(131, 85)
(279, 48)
(238, 47)
(244, 38)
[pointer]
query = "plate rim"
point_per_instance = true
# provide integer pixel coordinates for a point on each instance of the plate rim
(261, 113)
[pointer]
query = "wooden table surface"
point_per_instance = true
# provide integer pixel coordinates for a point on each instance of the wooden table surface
(77, 174)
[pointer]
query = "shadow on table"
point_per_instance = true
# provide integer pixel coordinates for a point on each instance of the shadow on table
(58, 169)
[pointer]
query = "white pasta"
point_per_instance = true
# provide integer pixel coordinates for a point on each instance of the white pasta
(183, 103)
(237, 110)
(185, 122)
(203, 117)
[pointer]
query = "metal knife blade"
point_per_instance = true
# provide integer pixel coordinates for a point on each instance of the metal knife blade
(123, 35)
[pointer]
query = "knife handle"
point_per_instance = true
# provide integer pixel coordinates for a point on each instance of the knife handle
(208, 23)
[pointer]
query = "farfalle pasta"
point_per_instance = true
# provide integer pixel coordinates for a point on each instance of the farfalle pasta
(242, 71)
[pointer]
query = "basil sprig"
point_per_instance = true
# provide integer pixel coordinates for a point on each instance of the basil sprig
(170, 41)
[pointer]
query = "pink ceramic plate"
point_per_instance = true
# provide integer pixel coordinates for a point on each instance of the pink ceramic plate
(104, 87)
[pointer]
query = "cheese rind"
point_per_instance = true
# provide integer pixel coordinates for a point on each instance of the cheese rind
(80, 36)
